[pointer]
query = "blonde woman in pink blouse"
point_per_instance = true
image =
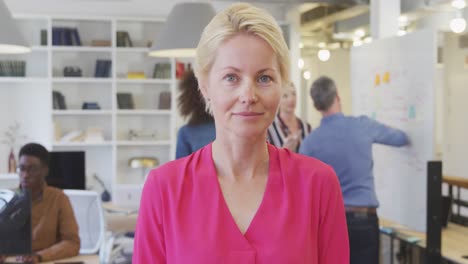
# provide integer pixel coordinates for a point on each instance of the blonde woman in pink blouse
(239, 199)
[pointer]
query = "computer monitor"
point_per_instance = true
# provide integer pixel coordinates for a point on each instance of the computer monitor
(67, 170)
(15, 223)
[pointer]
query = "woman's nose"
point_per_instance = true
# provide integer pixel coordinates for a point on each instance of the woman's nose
(248, 94)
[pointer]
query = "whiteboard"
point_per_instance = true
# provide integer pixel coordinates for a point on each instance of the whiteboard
(392, 81)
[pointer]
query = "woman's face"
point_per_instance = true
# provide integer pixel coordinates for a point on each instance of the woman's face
(288, 100)
(243, 86)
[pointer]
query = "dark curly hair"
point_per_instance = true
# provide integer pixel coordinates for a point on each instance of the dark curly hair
(191, 103)
(36, 150)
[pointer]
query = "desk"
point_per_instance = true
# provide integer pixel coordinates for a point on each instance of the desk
(119, 219)
(87, 259)
(454, 240)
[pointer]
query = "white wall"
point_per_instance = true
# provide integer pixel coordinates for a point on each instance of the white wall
(455, 151)
(30, 108)
(337, 68)
(456, 120)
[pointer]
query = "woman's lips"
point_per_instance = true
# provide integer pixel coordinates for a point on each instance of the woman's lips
(249, 114)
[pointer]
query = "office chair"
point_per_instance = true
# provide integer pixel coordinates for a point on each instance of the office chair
(87, 207)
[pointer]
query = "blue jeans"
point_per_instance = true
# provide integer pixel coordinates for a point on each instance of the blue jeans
(364, 237)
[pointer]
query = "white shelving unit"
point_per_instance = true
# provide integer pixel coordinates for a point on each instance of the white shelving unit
(108, 159)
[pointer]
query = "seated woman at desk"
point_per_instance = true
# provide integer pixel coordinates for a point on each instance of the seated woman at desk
(240, 199)
(54, 227)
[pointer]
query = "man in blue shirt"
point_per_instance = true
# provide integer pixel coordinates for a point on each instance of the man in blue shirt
(345, 143)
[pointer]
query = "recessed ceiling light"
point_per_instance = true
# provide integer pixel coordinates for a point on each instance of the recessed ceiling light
(360, 33)
(323, 55)
(458, 25)
(459, 4)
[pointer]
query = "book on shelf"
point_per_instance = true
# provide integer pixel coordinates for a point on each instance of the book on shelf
(162, 71)
(123, 39)
(103, 68)
(65, 36)
(180, 69)
(136, 75)
(164, 100)
(125, 101)
(90, 106)
(58, 100)
(100, 43)
(12, 68)
(43, 37)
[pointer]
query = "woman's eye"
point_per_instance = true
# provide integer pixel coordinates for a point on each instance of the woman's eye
(265, 79)
(230, 78)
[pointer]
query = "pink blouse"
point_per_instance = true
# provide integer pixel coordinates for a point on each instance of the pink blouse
(183, 217)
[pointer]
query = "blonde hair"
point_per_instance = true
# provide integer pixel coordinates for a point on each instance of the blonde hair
(240, 18)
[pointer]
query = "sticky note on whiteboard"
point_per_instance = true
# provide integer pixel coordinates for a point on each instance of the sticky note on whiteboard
(386, 77)
(411, 112)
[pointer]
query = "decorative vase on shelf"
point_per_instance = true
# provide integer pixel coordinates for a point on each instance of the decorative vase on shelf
(12, 162)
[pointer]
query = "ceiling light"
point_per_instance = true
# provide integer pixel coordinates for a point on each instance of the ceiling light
(357, 43)
(306, 75)
(181, 33)
(403, 19)
(458, 25)
(301, 45)
(343, 36)
(323, 55)
(300, 63)
(459, 4)
(360, 33)
(11, 40)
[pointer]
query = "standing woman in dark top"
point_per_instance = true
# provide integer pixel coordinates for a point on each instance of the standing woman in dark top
(200, 129)
(288, 130)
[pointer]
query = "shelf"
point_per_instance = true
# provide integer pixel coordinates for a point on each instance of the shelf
(135, 50)
(8, 176)
(107, 156)
(80, 80)
(144, 112)
(82, 144)
(128, 186)
(149, 81)
(82, 112)
(21, 79)
(81, 49)
(143, 143)
(39, 48)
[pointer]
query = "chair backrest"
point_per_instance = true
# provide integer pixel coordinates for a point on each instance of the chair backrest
(90, 217)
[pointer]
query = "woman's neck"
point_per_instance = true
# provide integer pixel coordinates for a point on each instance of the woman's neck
(289, 120)
(241, 159)
(287, 116)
